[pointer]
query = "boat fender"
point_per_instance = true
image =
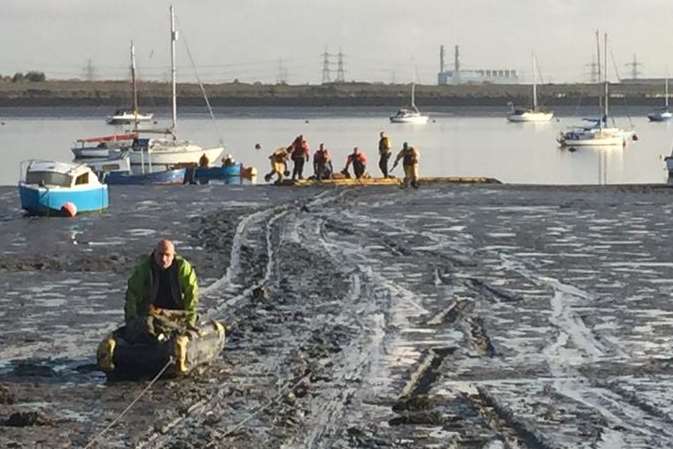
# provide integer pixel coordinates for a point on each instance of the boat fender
(105, 354)
(69, 209)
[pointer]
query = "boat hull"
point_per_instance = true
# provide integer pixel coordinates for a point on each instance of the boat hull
(37, 200)
(660, 117)
(417, 120)
(128, 119)
(530, 117)
(174, 155)
(163, 177)
(218, 172)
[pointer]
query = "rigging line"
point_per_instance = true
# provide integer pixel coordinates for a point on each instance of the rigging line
(201, 86)
(619, 78)
(128, 408)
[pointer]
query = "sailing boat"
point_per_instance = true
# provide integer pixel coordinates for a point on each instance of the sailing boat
(534, 113)
(170, 151)
(662, 114)
(123, 117)
(410, 115)
(597, 134)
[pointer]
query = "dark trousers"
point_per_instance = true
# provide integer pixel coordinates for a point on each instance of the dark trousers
(359, 169)
(298, 170)
(383, 163)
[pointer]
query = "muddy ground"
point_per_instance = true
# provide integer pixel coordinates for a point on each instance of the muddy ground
(448, 317)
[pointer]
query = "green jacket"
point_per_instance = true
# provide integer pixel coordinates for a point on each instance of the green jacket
(139, 287)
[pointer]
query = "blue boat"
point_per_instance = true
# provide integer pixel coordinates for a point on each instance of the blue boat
(207, 173)
(170, 176)
(60, 188)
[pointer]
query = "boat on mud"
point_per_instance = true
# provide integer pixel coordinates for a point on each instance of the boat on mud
(173, 354)
(60, 188)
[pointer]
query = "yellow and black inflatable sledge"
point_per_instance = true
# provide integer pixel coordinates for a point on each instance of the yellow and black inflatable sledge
(182, 348)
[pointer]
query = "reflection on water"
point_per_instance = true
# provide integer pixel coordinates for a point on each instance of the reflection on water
(452, 144)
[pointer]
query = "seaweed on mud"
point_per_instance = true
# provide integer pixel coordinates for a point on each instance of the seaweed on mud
(6, 396)
(28, 419)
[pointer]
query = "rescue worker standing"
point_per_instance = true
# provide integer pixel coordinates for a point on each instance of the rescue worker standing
(410, 158)
(384, 153)
(299, 155)
(278, 164)
(203, 161)
(162, 292)
(359, 161)
(322, 163)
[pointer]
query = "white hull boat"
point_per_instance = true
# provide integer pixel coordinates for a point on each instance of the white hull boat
(599, 134)
(127, 118)
(410, 115)
(520, 116)
(171, 153)
(533, 114)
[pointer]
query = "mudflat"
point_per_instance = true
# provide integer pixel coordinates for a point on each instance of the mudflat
(480, 316)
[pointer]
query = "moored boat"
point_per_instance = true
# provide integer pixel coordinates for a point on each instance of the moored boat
(410, 115)
(103, 146)
(167, 176)
(122, 117)
(60, 188)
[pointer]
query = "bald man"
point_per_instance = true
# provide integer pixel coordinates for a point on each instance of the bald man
(162, 280)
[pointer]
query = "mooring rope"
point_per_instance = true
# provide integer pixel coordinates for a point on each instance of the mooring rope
(265, 406)
(128, 408)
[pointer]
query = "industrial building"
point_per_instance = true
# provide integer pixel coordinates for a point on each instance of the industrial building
(472, 76)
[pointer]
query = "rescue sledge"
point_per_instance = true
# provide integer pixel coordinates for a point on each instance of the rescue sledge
(177, 353)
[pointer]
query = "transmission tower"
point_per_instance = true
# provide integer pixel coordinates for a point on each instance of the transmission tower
(593, 72)
(634, 67)
(281, 77)
(341, 76)
(89, 71)
(326, 71)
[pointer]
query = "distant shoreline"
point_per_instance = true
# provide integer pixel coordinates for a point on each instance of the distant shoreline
(115, 94)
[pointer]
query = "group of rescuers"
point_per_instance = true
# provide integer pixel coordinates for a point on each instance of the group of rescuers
(298, 151)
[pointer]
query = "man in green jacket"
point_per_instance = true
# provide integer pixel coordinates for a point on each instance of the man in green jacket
(162, 281)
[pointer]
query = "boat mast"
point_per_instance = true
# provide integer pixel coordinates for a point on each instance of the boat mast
(666, 94)
(413, 102)
(605, 101)
(133, 85)
(598, 59)
(534, 83)
(174, 37)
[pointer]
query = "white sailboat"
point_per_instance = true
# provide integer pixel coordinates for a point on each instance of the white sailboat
(410, 115)
(534, 113)
(598, 133)
(170, 151)
(662, 114)
(124, 117)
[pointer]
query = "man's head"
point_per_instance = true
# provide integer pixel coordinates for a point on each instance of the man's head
(356, 150)
(164, 253)
(405, 145)
(381, 134)
(322, 146)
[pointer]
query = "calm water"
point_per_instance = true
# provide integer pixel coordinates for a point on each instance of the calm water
(457, 142)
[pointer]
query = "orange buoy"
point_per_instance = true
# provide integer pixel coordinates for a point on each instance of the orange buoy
(69, 209)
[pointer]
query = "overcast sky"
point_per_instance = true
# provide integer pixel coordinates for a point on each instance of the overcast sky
(381, 40)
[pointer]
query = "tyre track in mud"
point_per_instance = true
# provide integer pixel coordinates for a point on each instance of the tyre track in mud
(241, 285)
(626, 420)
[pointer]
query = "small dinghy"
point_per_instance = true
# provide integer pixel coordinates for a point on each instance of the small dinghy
(173, 353)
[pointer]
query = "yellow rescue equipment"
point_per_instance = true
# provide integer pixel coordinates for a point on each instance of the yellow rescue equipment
(165, 343)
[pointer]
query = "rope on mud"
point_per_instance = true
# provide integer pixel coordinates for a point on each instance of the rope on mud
(128, 408)
(265, 406)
